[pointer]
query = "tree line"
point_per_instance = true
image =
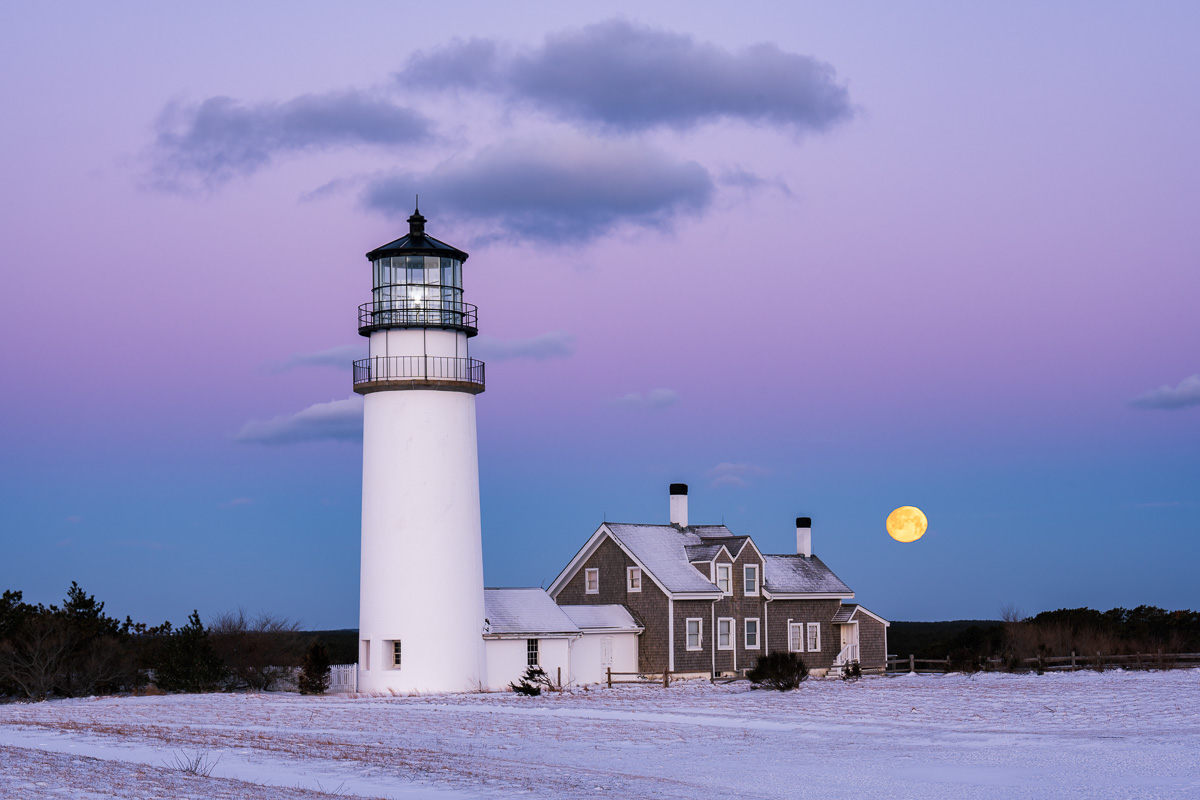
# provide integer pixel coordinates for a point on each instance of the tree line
(76, 649)
(1058, 633)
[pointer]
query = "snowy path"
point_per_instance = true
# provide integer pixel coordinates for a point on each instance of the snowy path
(1087, 735)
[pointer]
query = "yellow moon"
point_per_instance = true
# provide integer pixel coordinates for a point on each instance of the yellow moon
(906, 524)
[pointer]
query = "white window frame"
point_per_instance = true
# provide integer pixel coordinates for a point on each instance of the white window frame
(746, 570)
(533, 647)
(795, 637)
(814, 642)
(397, 654)
(728, 588)
(687, 633)
(731, 631)
(591, 576)
(630, 574)
(746, 633)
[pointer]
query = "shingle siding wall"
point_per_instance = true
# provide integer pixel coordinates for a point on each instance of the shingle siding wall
(822, 611)
(648, 607)
(871, 652)
(739, 607)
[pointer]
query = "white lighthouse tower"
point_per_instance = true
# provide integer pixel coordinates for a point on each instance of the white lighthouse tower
(421, 613)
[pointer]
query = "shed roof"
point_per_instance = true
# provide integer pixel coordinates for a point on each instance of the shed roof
(525, 611)
(608, 618)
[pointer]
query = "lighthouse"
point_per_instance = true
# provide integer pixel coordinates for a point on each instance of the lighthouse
(421, 614)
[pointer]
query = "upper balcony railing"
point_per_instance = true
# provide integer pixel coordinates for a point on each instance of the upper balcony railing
(418, 372)
(436, 313)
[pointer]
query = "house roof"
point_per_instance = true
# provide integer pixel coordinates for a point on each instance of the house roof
(606, 618)
(702, 552)
(796, 574)
(661, 549)
(524, 611)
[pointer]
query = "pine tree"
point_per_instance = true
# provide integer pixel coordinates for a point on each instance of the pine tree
(189, 663)
(314, 675)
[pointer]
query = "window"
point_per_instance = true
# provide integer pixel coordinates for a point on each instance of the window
(531, 652)
(695, 627)
(591, 581)
(396, 654)
(796, 637)
(814, 637)
(723, 581)
(750, 579)
(724, 634)
(634, 577)
(750, 639)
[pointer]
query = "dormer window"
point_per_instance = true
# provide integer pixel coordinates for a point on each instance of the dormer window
(633, 578)
(750, 579)
(724, 581)
(591, 581)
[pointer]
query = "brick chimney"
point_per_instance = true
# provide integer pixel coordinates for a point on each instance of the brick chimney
(803, 536)
(679, 505)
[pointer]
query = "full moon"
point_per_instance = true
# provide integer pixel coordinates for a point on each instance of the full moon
(906, 524)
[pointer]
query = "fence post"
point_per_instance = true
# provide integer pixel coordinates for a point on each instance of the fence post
(666, 679)
(560, 679)
(609, 670)
(912, 663)
(1072, 661)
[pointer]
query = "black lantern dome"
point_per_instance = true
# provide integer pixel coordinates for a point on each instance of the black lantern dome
(417, 283)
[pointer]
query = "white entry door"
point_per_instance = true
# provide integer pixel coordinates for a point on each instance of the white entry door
(849, 642)
(606, 651)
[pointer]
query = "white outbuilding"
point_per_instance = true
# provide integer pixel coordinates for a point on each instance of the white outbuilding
(573, 645)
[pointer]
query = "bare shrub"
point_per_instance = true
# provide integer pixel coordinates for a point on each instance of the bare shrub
(199, 763)
(259, 652)
(780, 670)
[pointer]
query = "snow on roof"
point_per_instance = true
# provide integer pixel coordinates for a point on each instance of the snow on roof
(519, 611)
(702, 552)
(662, 550)
(602, 617)
(795, 574)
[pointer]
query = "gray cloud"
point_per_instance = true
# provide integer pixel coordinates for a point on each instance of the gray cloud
(1187, 393)
(338, 420)
(339, 357)
(654, 399)
(555, 344)
(569, 190)
(212, 142)
(629, 77)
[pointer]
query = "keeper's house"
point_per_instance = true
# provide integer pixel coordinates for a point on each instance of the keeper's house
(704, 600)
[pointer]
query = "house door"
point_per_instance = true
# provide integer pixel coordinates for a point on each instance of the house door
(606, 651)
(849, 642)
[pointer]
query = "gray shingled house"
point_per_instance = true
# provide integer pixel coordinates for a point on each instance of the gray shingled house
(710, 602)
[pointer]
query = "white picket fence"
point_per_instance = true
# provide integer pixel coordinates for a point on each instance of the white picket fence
(343, 678)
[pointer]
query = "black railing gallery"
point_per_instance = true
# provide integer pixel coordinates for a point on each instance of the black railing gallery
(425, 313)
(419, 370)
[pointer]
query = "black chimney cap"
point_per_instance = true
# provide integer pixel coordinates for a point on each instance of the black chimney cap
(679, 488)
(803, 522)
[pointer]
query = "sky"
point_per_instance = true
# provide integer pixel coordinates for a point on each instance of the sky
(811, 259)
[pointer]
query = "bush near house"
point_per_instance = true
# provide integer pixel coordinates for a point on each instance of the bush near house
(314, 674)
(781, 671)
(532, 682)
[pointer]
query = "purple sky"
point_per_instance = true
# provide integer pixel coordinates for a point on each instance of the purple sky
(810, 260)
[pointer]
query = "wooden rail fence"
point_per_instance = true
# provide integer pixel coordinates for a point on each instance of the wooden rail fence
(1075, 661)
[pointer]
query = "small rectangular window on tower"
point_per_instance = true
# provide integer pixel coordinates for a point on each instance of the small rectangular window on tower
(531, 652)
(396, 654)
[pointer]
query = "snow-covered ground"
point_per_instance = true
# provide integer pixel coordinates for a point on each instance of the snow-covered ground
(1084, 735)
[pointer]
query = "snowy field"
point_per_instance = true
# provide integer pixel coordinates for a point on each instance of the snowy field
(1080, 735)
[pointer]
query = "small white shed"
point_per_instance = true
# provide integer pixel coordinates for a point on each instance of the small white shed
(574, 644)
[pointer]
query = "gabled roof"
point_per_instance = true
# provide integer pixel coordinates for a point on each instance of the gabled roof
(796, 574)
(610, 618)
(702, 552)
(661, 551)
(525, 611)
